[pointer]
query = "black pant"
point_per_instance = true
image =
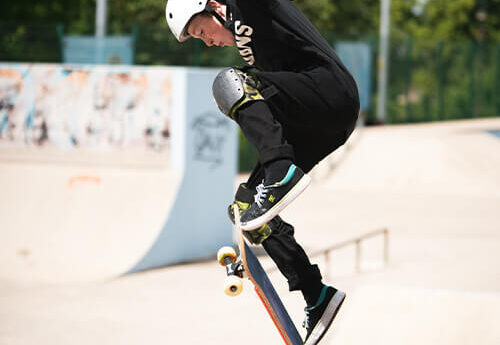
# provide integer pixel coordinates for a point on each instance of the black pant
(312, 114)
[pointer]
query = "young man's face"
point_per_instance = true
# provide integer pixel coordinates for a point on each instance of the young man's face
(207, 28)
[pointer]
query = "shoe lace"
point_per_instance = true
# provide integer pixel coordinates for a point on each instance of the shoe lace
(307, 319)
(261, 194)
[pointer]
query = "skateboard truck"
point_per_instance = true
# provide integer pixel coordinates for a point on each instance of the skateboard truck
(233, 284)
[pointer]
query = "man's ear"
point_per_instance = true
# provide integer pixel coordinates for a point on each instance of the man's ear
(218, 7)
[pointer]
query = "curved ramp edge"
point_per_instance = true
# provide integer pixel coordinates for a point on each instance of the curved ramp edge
(197, 224)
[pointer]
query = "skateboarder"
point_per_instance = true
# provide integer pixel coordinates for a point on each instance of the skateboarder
(296, 103)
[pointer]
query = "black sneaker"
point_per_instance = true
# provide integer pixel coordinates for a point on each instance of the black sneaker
(271, 199)
(320, 317)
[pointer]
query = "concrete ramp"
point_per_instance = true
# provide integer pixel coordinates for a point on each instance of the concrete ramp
(437, 158)
(152, 193)
(414, 316)
(68, 223)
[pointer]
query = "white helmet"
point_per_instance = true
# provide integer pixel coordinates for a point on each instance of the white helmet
(179, 13)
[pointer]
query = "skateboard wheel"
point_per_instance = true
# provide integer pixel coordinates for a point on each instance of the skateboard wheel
(226, 252)
(233, 286)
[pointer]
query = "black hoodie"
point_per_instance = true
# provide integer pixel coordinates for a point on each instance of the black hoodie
(274, 35)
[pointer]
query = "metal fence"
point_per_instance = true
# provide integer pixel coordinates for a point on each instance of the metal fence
(438, 80)
(428, 80)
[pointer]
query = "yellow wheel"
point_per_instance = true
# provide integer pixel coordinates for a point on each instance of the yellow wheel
(226, 252)
(233, 286)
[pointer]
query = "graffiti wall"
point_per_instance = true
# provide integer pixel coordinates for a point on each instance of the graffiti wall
(85, 106)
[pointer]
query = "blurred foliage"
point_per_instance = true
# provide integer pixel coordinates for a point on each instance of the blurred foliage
(444, 62)
(28, 42)
(439, 19)
(438, 80)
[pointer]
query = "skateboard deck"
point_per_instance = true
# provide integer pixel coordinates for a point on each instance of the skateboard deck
(265, 290)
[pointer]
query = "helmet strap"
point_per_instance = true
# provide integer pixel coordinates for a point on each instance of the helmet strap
(228, 22)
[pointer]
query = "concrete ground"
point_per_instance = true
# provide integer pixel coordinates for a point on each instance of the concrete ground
(436, 187)
(63, 211)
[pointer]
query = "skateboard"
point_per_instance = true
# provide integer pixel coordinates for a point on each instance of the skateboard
(246, 265)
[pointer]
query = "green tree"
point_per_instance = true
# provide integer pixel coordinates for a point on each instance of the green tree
(457, 19)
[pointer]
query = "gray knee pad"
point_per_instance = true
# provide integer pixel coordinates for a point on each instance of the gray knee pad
(232, 88)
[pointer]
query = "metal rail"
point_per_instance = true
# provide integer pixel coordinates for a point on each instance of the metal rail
(357, 243)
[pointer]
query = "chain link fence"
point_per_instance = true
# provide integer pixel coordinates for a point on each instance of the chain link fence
(428, 80)
(438, 80)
